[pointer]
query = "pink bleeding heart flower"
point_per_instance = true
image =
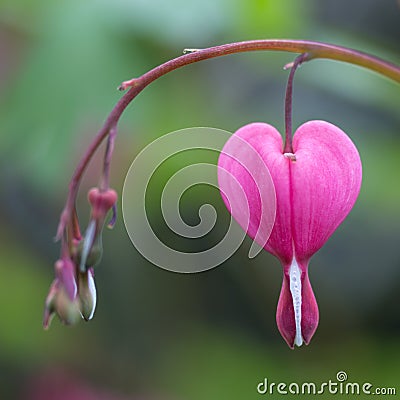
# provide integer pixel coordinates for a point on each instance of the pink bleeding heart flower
(316, 186)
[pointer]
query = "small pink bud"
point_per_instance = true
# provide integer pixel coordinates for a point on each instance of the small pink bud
(101, 202)
(90, 249)
(316, 187)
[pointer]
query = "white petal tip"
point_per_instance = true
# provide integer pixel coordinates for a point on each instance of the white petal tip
(298, 341)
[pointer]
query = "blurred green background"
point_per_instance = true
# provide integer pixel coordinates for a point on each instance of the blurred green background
(156, 334)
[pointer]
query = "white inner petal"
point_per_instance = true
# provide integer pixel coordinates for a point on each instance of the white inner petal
(295, 290)
(92, 289)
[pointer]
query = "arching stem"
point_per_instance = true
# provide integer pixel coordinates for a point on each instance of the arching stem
(136, 85)
(289, 101)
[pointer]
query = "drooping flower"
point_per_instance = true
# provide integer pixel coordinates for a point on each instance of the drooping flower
(316, 186)
(91, 249)
(72, 294)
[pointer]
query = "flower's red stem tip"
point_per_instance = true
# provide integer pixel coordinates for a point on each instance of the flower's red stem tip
(127, 84)
(123, 86)
(288, 66)
(189, 51)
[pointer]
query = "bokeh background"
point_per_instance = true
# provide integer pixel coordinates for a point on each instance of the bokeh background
(156, 334)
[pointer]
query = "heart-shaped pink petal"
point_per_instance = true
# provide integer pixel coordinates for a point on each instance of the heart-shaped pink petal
(315, 189)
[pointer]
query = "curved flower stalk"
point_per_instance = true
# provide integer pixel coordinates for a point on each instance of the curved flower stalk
(316, 186)
(72, 294)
